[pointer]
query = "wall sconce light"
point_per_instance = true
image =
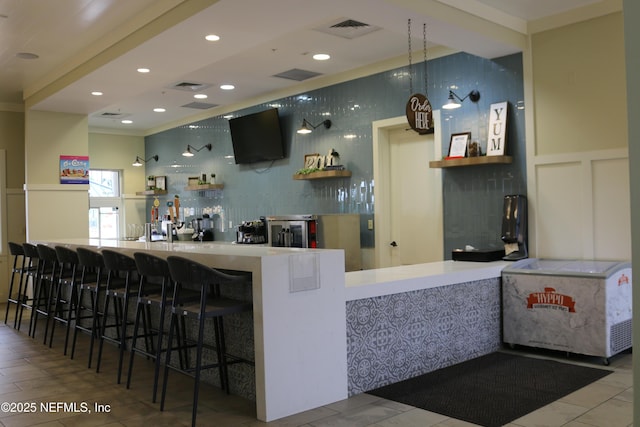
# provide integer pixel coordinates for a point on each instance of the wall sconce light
(188, 153)
(140, 161)
(308, 127)
(454, 101)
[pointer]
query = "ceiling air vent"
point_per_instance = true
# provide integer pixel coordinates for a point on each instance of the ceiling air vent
(111, 115)
(190, 86)
(297, 74)
(199, 105)
(348, 28)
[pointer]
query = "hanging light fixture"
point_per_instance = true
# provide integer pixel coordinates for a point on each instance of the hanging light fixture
(189, 153)
(454, 101)
(140, 161)
(308, 127)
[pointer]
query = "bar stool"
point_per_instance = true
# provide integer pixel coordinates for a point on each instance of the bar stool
(91, 287)
(64, 297)
(20, 266)
(48, 275)
(154, 290)
(33, 277)
(121, 287)
(191, 276)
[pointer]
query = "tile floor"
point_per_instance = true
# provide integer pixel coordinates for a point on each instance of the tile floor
(32, 372)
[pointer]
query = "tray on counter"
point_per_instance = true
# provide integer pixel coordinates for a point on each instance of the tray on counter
(477, 255)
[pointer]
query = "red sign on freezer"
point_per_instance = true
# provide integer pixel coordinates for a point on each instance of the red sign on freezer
(550, 299)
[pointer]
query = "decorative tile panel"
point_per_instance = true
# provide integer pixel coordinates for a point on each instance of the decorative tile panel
(399, 336)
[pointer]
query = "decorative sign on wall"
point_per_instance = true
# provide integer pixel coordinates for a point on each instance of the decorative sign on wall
(497, 129)
(74, 169)
(420, 114)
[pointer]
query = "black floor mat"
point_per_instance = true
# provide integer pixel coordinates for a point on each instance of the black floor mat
(492, 390)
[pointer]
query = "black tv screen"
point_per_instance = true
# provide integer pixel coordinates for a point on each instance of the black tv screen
(257, 137)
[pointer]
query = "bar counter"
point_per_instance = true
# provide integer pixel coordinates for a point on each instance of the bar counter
(322, 335)
(299, 317)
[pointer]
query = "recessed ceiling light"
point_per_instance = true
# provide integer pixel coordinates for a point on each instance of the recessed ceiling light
(159, 110)
(227, 87)
(126, 122)
(321, 56)
(212, 38)
(200, 96)
(96, 93)
(27, 55)
(143, 70)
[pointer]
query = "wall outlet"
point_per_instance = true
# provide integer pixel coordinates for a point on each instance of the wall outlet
(230, 224)
(370, 224)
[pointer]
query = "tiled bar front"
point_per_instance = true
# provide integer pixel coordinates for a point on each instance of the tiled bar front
(395, 337)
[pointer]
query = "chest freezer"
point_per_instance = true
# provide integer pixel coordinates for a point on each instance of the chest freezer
(576, 306)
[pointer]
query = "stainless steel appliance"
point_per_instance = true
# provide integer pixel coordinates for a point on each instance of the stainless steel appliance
(514, 227)
(252, 232)
(330, 231)
(202, 228)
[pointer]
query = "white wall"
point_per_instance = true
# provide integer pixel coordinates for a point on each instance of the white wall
(577, 156)
(54, 210)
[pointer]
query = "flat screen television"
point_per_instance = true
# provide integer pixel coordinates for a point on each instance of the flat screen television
(257, 137)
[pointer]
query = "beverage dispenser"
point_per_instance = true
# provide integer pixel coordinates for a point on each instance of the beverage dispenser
(514, 227)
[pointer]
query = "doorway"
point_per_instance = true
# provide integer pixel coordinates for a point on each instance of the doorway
(104, 203)
(408, 194)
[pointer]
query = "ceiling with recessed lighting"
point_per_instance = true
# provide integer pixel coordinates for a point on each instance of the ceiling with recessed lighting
(152, 54)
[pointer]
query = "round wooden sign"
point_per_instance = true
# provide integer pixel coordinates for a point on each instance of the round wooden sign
(420, 114)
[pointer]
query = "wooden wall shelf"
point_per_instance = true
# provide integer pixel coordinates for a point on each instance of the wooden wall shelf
(151, 192)
(200, 187)
(324, 174)
(471, 161)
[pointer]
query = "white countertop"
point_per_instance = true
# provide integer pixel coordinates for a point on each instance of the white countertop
(225, 255)
(393, 280)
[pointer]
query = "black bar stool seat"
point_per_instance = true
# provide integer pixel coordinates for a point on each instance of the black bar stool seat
(21, 267)
(154, 291)
(64, 298)
(31, 281)
(190, 276)
(90, 291)
(48, 275)
(122, 286)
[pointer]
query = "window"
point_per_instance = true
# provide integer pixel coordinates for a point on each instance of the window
(104, 204)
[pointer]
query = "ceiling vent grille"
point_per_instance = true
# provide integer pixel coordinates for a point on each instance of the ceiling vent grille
(348, 28)
(297, 74)
(199, 105)
(190, 86)
(111, 115)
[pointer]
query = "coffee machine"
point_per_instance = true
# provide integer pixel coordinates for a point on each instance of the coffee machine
(514, 227)
(252, 231)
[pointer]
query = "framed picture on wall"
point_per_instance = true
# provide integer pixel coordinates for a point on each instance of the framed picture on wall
(458, 144)
(311, 160)
(161, 182)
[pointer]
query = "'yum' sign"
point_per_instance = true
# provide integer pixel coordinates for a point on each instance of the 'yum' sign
(497, 129)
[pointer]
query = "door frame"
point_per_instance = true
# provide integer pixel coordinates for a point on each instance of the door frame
(381, 178)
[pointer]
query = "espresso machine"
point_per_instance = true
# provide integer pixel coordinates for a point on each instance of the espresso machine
(252, 231)
(514, 227)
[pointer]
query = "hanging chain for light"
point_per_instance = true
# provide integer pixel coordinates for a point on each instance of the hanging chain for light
(424, 47)
(409, 43)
